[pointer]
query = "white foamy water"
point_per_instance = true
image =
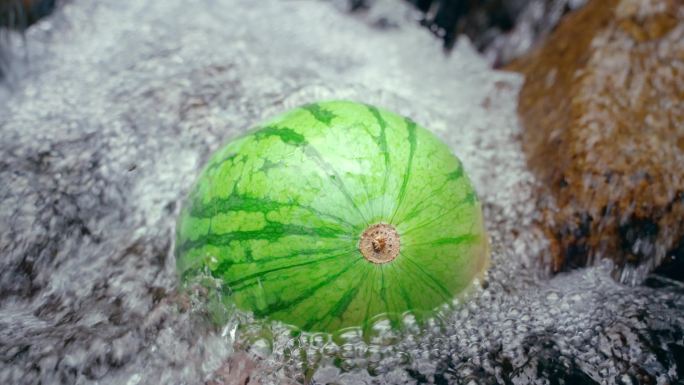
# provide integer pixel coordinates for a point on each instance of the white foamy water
(113, 108)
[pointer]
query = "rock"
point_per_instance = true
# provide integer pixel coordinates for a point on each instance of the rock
(603, 110)
(501, 29)
(19, 14)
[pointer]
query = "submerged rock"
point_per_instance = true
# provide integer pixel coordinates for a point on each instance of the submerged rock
(603, 110)
(19, 14)
(501, 29)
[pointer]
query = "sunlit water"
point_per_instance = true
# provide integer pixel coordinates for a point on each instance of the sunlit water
(109, 113)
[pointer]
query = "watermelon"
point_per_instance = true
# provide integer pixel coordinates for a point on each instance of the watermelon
(332, 214)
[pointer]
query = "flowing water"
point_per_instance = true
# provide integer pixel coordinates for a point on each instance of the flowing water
(111, 109)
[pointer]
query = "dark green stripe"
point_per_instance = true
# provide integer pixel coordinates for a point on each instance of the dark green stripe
(319, 113)
(369, 196)
(281, 305)
(383, 289)
(290, 136)
(402, 288)
(236, 202)
(428, 199)
(228, 263)
(249, 281)
(458, 174)
(262, 273)
(271, 232)
(287, 135)
(381, 141)
(217, 164)
(340, 306)
(269, 165)
(411, 129)
(334, 177)
(371, 293)
(471, 198)
(233, 202)
(466, 200)
(447, 241)
(430, 279)
(417, 208)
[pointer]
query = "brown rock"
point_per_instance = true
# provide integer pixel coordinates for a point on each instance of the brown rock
(603, 110)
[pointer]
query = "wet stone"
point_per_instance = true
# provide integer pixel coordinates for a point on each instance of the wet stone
(501, 29)
(603, 110)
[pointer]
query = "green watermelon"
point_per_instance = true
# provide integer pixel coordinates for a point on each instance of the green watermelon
(331, 214)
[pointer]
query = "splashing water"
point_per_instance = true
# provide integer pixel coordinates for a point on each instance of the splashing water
(110, 112)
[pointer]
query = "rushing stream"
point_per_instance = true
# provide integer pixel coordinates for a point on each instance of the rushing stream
(110, 110)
